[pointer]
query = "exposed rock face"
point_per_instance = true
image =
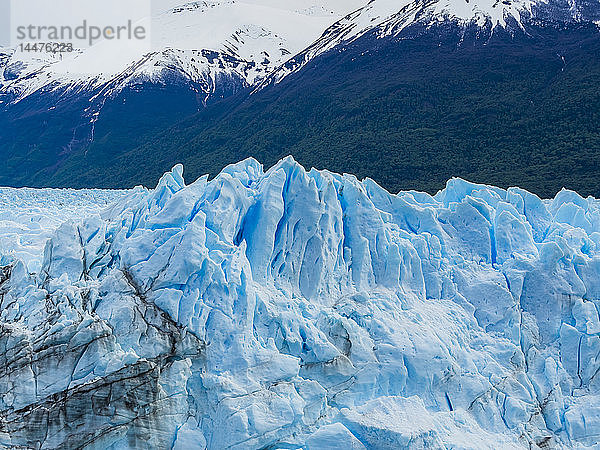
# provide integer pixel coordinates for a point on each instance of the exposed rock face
(289, 309)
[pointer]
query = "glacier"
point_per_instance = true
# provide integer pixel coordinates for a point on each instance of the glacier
(294, 309)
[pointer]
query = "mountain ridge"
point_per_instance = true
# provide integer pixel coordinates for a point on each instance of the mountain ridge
(381, 108)
(72, 142)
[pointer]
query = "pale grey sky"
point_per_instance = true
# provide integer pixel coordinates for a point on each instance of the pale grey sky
(4, 22)
(99, 14)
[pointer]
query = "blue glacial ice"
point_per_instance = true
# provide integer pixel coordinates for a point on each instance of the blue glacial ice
(289, 309)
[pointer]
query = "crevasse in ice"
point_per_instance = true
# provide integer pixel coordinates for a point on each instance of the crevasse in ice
(290, 309)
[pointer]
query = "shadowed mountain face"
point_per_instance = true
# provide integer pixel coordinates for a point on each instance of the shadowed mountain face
(411, 112)
(44, 132)
(502, 105)
(102, 101)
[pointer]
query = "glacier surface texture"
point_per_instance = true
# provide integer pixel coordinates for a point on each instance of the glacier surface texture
(289, 309)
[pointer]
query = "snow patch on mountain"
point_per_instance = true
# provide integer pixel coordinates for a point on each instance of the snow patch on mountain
(254, 39)
(295, 309)
(250, 38)
(254, 43)
(386, 18)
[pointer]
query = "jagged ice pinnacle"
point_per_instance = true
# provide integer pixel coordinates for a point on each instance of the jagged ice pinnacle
(294, 309)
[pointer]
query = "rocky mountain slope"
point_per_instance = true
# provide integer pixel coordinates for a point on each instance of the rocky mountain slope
(409, 111)
(198, 41)
(69, 122)
(55, 107)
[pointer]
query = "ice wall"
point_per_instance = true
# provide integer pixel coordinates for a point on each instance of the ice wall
(293, 309)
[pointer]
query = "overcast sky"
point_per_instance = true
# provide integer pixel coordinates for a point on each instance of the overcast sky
(101, 13)
(4, 22)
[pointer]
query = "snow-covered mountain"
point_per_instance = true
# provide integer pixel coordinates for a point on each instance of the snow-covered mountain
(200, 41)
(389, 18)
(64, 121)
(301, 310)
(60, 105)
(206, 41)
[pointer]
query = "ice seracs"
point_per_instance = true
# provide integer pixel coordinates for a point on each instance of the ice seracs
(28, 217)
(292, 309)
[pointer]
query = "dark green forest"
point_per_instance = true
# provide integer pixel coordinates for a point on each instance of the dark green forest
(410, 112)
